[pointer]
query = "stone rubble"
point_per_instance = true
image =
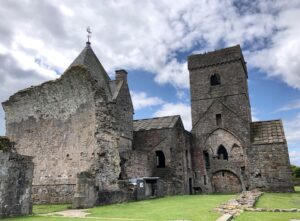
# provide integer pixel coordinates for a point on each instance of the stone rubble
(245, 201)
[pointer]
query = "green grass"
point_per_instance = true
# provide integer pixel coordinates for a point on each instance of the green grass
(280, 200)
(267, 216)
(42, 209)
(168, 208)
(196, 208)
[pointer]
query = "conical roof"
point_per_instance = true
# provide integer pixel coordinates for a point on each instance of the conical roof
(88, 58)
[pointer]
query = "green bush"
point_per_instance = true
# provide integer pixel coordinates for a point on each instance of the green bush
(295, 171)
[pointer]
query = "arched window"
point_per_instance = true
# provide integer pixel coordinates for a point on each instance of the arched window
(222, 153)
(160, 159)
(206, 158)
(215, 79)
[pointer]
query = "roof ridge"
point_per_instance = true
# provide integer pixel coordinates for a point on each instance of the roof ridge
(266, 120)
(177, 115)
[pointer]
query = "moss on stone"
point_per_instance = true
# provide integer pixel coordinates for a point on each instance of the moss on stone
(5, 144)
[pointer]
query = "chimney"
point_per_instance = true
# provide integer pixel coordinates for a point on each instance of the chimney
(121, 75)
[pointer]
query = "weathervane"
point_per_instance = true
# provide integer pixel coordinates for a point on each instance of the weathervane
(89, 35)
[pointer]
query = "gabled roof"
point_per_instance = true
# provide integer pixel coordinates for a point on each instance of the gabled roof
(88, 58)
(267, 132)
(155, 123)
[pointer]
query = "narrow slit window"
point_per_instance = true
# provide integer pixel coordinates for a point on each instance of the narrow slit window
(206, 158)
(219, 119)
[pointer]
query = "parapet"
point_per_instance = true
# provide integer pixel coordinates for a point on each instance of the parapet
(218, 57)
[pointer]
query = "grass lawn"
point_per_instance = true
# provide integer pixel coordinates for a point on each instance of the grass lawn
(280, 200)
(196, 208)
(168, 208)
(267, 216)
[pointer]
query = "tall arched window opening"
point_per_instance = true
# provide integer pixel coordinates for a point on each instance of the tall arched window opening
(222, 153)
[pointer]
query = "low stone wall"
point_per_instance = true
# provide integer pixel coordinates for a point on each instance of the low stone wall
(16, 173)
(51, 194)
(246, 200)
(87, 194)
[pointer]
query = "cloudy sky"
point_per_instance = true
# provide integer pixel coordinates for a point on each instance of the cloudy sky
(151, 40)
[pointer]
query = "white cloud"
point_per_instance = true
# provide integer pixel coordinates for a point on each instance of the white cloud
(141, 100)
(290, 106)
(184, 110)
(295, 157)
(292, 130)
(175, 73)
(146, 35)
(281, 58)
(254, 114)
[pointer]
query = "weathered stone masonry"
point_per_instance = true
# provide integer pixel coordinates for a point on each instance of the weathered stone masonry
(16, 172)
(229, 148)
(88, 150)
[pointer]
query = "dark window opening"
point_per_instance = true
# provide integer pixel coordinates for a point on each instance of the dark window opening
(243, 171)
(206, 158)
(215, 79)
(197, 190)
(204, 180)
(223, 174)
(195, 175)
(218, 119)
(187, 158)
(160, 159)
(258, 175)
(122, 166)
(222, 153)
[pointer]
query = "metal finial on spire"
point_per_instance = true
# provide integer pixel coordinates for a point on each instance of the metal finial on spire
(89, 35)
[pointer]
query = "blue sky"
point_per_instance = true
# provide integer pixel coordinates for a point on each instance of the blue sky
(151, 40)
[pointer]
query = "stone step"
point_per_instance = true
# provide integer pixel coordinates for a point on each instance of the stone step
(225, 217)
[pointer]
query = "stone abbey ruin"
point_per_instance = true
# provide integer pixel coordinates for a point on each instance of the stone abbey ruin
(88, 150)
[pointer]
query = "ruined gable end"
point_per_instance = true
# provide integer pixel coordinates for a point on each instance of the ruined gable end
(269, 159)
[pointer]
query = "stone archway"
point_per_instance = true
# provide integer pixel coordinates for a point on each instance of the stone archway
(225, 181)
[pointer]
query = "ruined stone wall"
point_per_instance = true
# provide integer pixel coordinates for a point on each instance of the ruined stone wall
(124, 117)
(55, 123)
(124, 121)
(269, 167)
(16, 173)
(175, 145)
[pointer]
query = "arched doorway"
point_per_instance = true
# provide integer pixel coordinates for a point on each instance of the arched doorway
(160, 159)
(226, 182)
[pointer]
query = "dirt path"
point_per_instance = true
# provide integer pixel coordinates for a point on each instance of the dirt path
(80, 213)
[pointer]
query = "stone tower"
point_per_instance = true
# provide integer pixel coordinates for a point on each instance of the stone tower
(221, 117)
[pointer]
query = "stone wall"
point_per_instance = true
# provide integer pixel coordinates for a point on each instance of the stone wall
(270, 168)
(53, 194)
(175, 145)
(68, 126)
(123, 113)
(16, 172)
(221, 113)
